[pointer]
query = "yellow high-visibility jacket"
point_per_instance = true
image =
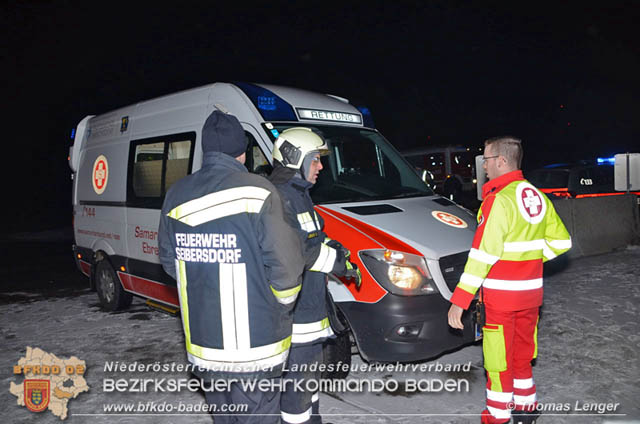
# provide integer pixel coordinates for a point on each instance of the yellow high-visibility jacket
(518, 230)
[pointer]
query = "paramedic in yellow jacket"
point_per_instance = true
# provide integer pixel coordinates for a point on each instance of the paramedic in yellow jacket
(518, 230)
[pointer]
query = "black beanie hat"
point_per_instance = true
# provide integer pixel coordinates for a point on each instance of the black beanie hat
(223, 133)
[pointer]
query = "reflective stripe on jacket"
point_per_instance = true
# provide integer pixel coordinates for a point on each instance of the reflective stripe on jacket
(237, 265)
(518, 229)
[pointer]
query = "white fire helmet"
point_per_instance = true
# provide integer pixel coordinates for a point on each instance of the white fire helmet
(294, 144)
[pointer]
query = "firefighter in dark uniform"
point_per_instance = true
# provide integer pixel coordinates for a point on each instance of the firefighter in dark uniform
(238, 270)
(297, 164)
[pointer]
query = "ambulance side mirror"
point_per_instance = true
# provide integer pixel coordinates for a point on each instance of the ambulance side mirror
(481, 177)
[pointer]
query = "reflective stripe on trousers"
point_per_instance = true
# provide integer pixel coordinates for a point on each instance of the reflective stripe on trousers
(301, 406)
(509, 345)
(306, 333)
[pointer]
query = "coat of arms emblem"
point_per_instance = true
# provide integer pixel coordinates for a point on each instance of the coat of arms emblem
(36, 394)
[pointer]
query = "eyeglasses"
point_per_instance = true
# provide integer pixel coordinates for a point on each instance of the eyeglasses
(484, 159)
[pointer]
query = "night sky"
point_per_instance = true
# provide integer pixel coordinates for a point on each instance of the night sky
(563, 77)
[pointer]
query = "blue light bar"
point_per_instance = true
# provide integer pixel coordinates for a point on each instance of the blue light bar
(266, 102)
(73, 134)
(367, 118)
(602, 161)
(270, 106)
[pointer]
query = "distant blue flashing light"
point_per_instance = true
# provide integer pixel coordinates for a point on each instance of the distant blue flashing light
(556, 165)
(367, 118)
(602, 161)
(270, 106)
(73, 134)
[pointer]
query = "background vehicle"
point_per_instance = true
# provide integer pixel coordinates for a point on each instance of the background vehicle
(586, 178)
(451, 168)
(410, 244)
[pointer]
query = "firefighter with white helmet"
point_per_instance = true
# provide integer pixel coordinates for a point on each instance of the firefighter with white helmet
(297, 163)
(294, 149)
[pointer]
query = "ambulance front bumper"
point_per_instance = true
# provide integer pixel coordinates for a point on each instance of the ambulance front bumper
(406, 328)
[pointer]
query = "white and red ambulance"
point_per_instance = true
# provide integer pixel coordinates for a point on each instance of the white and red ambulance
(410, 244)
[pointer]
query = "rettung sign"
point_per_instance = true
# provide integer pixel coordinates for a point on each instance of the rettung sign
(327, 115)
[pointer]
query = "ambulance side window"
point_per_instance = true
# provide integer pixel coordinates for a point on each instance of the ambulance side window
(177, 162)
(147, 170)
(256, 161)
(155, 164)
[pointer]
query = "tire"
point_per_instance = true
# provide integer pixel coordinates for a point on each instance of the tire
(337, 351)
(110, 292)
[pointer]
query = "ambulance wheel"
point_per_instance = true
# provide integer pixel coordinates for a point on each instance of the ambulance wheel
(110, 292)
(337, 352)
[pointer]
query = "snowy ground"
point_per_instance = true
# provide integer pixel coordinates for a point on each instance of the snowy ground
(588, 336)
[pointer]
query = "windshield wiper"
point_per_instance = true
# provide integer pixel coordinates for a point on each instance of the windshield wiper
(411, 194)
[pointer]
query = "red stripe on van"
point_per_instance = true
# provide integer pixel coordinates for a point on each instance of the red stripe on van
(354, 240)
(85, 267)
(149, 288)
(356, 236)
(579, 196)
(385, 240)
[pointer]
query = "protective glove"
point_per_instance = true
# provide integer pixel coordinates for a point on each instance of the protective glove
(353, 273)
(339, 265)
(335, 244)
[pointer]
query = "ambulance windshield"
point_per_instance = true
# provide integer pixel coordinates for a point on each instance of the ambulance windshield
(362, 166)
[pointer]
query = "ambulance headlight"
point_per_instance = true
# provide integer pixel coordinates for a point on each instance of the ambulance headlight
(400, 273)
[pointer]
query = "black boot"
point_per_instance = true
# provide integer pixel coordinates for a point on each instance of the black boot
(523, 417)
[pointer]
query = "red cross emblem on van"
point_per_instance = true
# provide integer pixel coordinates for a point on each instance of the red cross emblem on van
(100, 175)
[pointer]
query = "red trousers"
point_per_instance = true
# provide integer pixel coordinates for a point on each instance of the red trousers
(509, 344)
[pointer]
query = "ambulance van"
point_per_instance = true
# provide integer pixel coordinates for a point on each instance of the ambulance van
(410, 244)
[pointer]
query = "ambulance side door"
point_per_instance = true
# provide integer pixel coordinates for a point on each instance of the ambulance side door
(155, 164)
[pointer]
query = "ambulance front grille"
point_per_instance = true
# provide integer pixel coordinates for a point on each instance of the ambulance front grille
(452, 267)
